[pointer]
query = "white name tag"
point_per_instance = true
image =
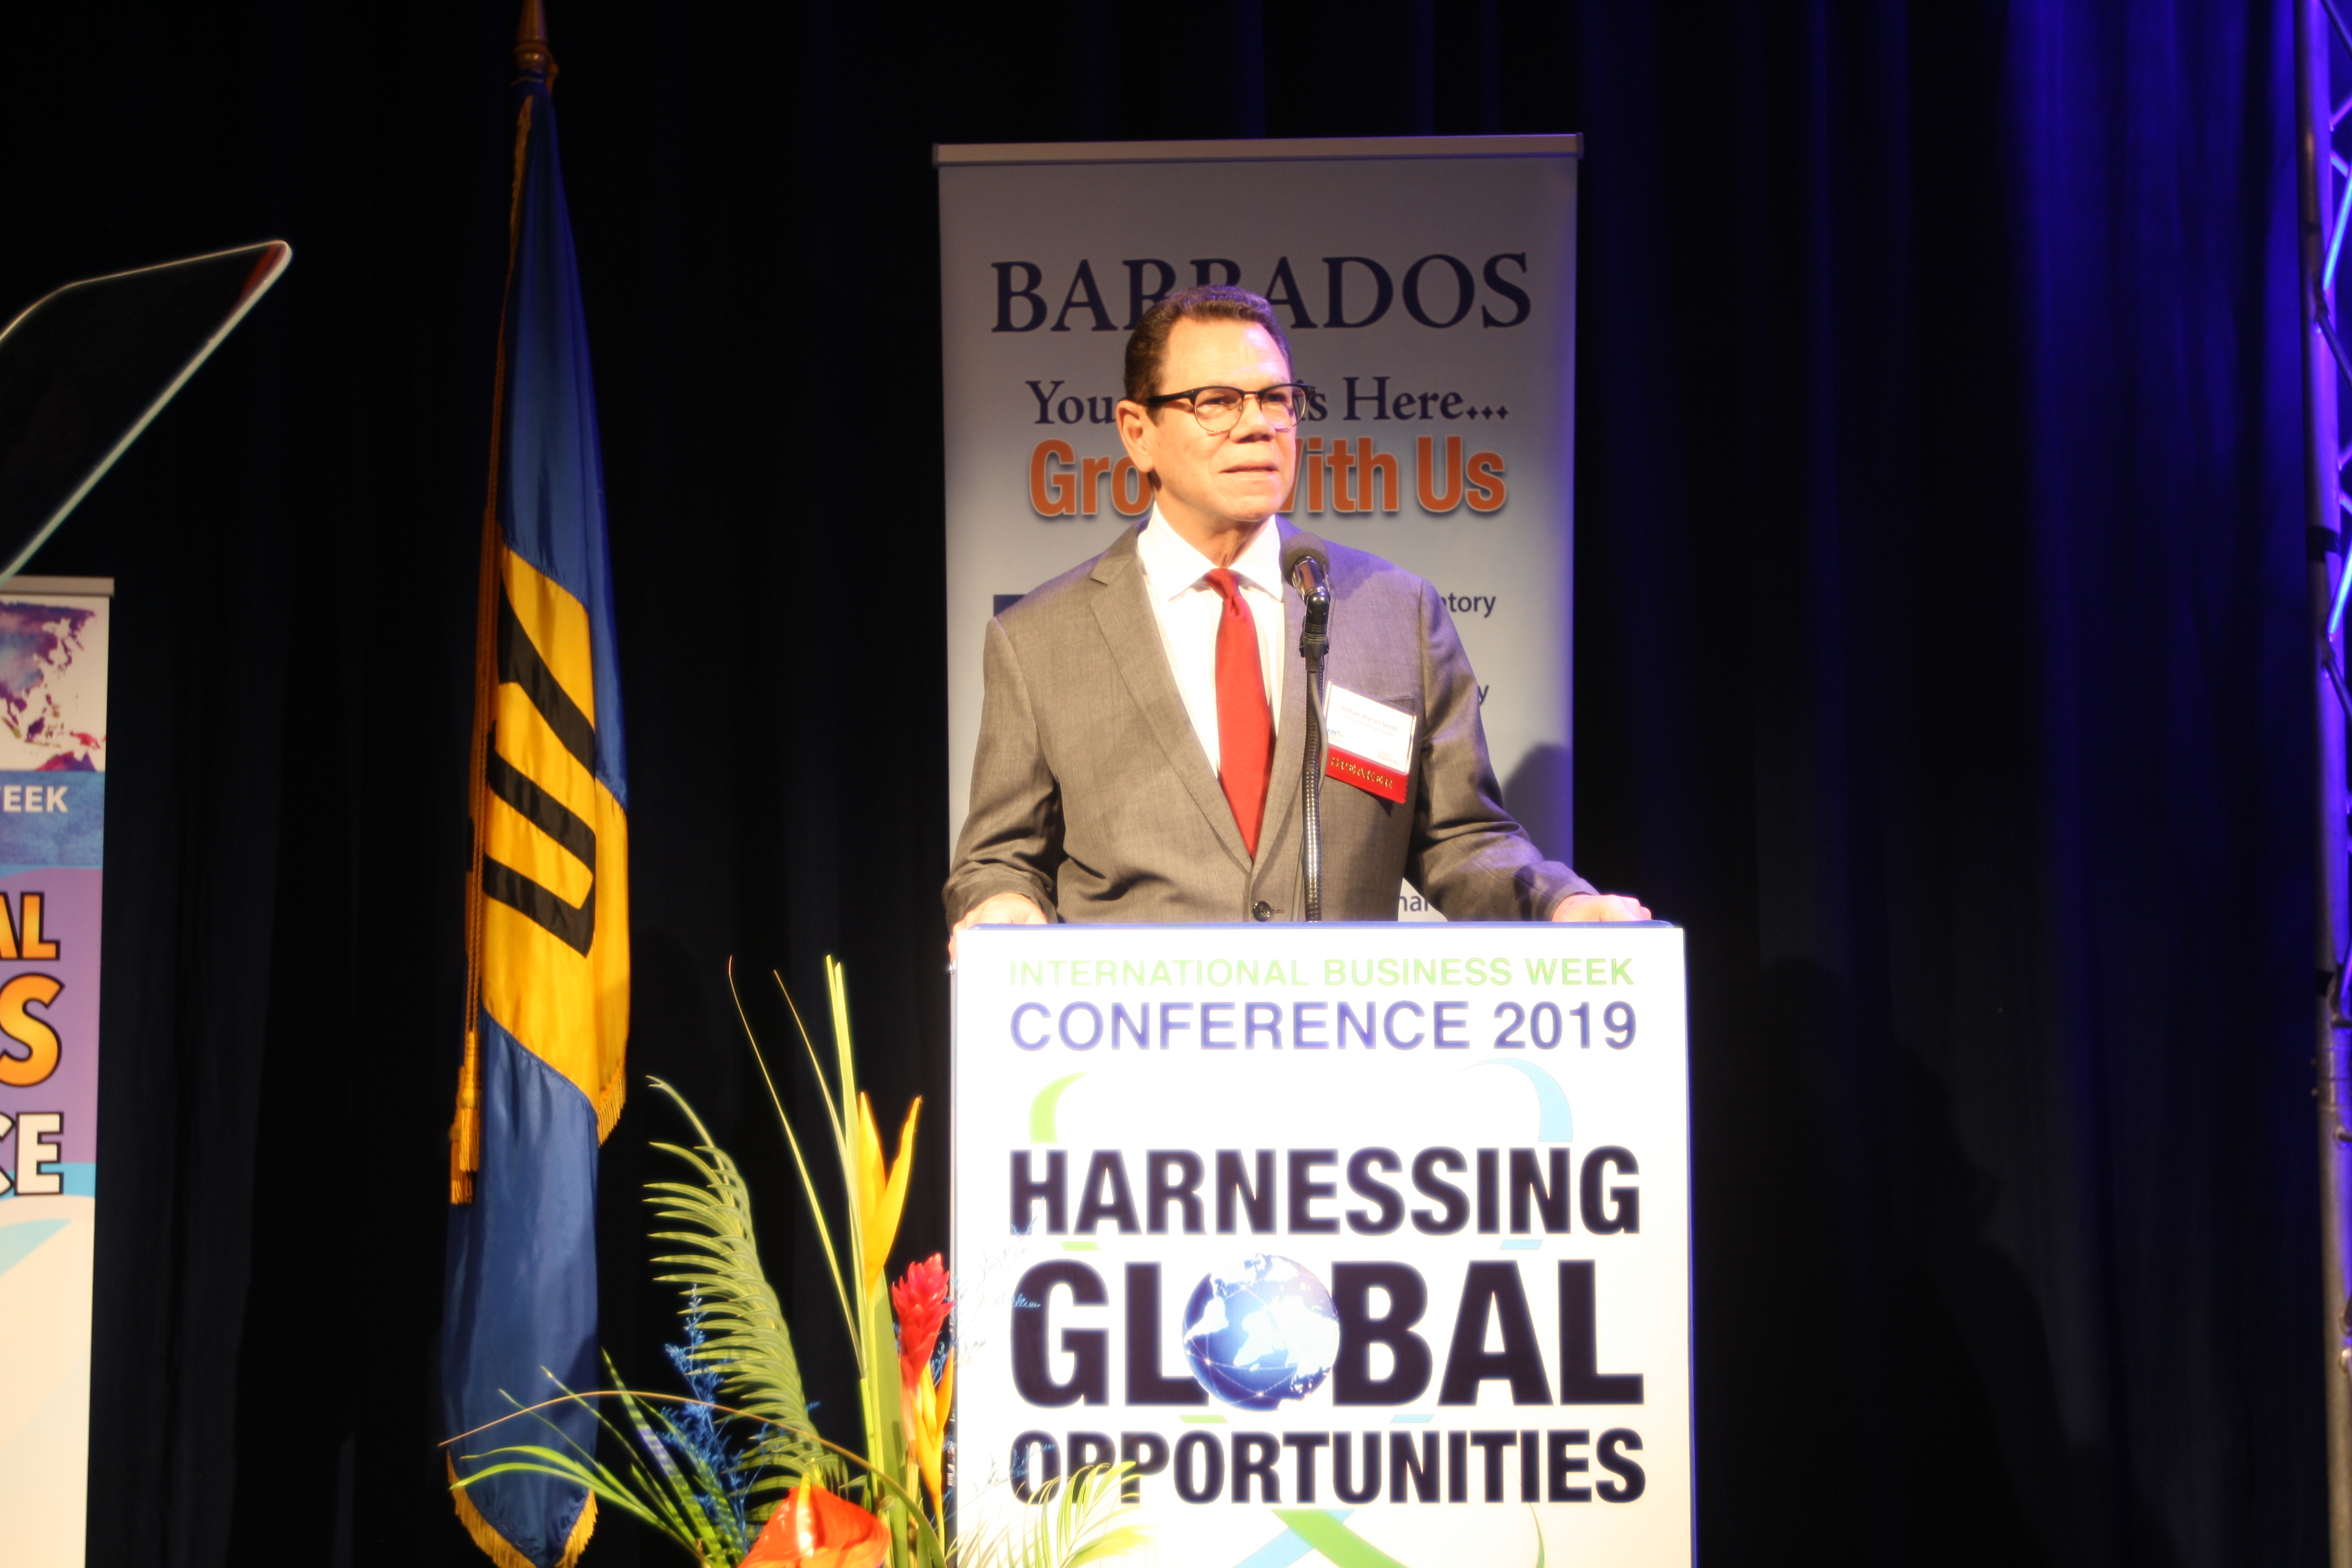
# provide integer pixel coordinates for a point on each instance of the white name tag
(1371, 743)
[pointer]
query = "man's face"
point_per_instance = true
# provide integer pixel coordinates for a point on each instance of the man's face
(1213, 484)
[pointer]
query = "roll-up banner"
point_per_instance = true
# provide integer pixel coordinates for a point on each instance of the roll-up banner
(1428, 286)
(53, 639)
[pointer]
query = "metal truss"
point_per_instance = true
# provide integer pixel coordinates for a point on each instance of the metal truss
(2323, 55)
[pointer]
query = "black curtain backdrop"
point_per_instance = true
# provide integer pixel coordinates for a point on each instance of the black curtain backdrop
(1940, 605)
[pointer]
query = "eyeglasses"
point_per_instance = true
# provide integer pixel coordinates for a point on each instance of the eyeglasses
(1219, 408)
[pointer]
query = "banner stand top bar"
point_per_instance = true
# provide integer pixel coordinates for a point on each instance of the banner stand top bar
(1298, 149)
(86, 587)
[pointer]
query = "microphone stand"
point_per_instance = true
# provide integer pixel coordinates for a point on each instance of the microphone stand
(1313, 642)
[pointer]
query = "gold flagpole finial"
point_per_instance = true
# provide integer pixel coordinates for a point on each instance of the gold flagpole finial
(532, 57)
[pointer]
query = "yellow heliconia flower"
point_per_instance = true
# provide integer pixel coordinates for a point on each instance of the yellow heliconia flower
(881, 1191)
(927, 1425)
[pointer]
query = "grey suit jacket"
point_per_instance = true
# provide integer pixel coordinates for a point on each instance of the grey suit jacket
(1091, 795)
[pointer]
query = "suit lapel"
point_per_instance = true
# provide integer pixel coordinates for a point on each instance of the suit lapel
(1122, 609)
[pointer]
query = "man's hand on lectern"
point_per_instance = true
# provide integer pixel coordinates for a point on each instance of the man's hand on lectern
(1594, 906)
(1010, 910)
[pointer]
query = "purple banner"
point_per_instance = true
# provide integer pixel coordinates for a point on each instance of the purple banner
(52, 645)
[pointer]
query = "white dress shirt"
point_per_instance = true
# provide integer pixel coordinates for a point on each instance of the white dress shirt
(1189, 608)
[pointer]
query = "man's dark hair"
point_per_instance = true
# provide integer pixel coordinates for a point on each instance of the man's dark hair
(1147, 346)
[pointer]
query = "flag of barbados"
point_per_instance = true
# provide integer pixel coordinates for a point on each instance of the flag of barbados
(547, 904)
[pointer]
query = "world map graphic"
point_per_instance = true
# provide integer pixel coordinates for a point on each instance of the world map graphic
(52, 687)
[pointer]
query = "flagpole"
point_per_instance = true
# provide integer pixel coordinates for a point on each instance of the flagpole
(531, 56)
(532, 59)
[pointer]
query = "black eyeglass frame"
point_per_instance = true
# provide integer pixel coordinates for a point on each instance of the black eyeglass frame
(1306, 395)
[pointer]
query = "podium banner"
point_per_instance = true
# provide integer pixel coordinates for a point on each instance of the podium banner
(1428, 286)
(53, 656)
(1364, 1241)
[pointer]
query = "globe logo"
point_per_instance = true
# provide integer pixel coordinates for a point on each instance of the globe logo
(1261, 1332)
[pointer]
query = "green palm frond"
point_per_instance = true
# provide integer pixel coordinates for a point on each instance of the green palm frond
(1072, 1526)
(792, 1139)
(666, 1499)
(746, 1337)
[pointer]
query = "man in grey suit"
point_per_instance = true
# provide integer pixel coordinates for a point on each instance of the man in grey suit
(1144, 724)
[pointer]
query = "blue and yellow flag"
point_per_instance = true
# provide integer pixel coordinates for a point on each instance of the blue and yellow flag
(547, 906)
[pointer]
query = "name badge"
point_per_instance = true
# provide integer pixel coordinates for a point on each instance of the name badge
(1371, 743)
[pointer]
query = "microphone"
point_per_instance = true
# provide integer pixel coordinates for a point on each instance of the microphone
(1306, 567)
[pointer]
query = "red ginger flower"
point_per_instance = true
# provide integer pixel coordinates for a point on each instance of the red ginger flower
(920, 1297)
(814, 1529)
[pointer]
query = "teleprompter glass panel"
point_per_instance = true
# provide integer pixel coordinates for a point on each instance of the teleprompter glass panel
(85, 368)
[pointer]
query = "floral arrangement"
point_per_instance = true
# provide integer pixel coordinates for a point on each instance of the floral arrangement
(733, 1470)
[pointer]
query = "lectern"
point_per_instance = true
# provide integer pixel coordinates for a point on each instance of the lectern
(1359, 1244)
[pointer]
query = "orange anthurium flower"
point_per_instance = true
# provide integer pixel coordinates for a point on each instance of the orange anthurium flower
(881, 1191)
(814, 1529)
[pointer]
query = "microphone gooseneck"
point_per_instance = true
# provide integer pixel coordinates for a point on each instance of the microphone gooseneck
(1307, 568)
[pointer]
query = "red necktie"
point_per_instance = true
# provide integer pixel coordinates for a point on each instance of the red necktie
(1245, 724)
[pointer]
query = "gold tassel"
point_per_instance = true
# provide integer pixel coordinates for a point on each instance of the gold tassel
(608, 1105)
(494, 1546)
(466, 1133)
